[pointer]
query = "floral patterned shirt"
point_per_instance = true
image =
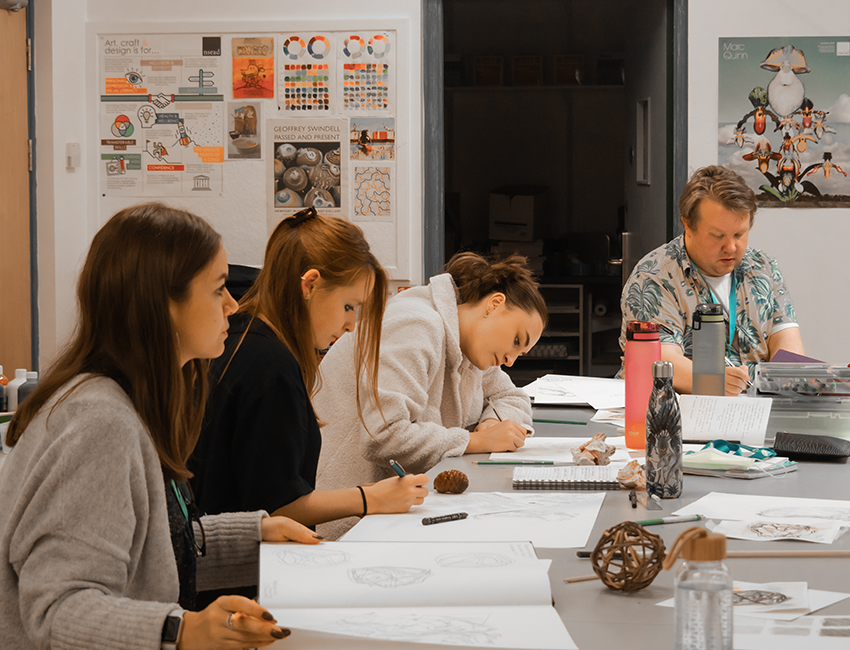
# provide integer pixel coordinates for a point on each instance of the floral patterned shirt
(665, 287)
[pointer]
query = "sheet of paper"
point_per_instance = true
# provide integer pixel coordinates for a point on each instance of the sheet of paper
(524, 627)
(559, 450)
(767, 531)
(809, 632)
(402, 574)
(738, 419)
(614, 417)
(747, 507)
(568, 389)
(817, 599)
(547, 519)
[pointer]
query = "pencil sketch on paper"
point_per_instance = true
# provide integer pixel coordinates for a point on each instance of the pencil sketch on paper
(538, 513)
(451, 630)
(778, 530)
(757, 597)
(839, 514)
(473, 560)
(306, 557)
(388, 576)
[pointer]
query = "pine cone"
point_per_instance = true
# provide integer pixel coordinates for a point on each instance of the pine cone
(452, 481)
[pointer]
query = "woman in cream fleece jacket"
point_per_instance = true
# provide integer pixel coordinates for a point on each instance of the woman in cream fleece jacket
(442, 392)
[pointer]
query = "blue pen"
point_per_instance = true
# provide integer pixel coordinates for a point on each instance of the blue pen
(398, 469)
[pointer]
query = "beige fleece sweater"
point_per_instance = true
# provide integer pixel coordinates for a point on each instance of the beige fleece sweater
(431, 395)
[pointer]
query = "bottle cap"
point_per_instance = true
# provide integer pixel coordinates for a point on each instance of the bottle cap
(698, 545)
(710, 547)
(20, 373)
(662, 369)
(32, 374)
(639, 327)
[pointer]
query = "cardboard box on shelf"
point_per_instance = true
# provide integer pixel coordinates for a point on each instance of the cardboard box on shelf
(516, 211)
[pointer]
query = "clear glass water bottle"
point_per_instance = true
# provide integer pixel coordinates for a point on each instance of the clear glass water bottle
(664, 474)
(703, 601)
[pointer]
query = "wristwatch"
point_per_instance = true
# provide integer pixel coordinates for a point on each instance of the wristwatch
(171, 629)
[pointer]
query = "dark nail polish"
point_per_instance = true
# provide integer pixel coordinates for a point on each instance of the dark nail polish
(281, 633)
(318, 536)
(268, 616)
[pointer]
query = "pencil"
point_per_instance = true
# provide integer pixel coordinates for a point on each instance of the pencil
(520, 462)
(557, 421)
(787, 553)
(581, 579)
(670, 520)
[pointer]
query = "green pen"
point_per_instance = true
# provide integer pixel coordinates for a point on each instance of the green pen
(680, 519)
(397, 469)
(559, 421)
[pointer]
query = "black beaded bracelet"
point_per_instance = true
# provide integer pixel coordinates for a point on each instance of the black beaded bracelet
(363, 495)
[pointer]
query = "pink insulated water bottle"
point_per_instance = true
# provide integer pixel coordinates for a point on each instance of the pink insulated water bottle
(642, 349)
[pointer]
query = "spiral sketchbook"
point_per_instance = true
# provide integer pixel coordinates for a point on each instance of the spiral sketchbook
(567, 477)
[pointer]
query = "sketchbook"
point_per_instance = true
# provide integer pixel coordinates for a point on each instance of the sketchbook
(413, 594)
(568, 477)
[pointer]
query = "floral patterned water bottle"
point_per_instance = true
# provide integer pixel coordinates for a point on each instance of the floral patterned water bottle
(663, 435)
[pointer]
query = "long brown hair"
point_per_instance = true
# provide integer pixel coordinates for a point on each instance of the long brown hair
(477, 277)
(339, 251)
(144, 256)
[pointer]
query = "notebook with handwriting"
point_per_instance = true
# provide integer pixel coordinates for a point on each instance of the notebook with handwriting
(567, 477)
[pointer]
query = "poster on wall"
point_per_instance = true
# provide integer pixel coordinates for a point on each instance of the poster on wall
(306, 73)
(253, 67)
(367, 72)
(161, 116)
(244, 128)
(784, 118)
(308, 166)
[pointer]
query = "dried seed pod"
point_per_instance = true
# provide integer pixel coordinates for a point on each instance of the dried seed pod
(452, 481)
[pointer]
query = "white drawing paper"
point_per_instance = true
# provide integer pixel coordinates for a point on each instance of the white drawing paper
(559, 450)
(566, 389)
(768, 531)
(547, 519)
(747, 507)
(467, 594)
(809, 632)
(817, 599)
(738, 419)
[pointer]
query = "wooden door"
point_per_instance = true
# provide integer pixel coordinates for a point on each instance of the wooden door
(15, 303)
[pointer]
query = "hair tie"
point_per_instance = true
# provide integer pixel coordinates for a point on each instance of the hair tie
(301, 216)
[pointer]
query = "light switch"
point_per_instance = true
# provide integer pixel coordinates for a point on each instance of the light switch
(72, 155)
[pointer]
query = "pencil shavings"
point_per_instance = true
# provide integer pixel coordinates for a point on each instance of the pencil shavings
(594, 452)
(632, 476)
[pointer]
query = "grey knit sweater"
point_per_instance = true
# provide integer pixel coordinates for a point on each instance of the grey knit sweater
(85, 552)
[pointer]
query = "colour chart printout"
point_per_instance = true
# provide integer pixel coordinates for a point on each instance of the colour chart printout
(306, 73)
(161, 115)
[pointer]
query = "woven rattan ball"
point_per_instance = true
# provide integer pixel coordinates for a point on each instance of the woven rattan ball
(627, 557)
(452, 481)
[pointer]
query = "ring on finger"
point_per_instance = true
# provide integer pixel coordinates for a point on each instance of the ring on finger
(230, 620)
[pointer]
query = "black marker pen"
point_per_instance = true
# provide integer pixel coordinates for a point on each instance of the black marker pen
(427, 521)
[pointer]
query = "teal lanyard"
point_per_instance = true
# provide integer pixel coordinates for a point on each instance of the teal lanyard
(180, 500)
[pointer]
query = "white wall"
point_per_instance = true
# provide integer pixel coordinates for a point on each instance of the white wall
(809, 244)
(69, 209)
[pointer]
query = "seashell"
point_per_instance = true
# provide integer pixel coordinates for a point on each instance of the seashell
(286, 154)
(308, 157)
(295, 178)
(452, 481)
(278, 168)
(323, 176)
(288, 199)
(332, 157)
(319, 198)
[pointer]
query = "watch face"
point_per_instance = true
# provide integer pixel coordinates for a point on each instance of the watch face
(170, 629)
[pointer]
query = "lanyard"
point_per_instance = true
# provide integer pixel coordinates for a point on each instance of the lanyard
(180, 500)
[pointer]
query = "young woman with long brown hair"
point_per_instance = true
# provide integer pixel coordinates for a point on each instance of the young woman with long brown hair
(101, 546)
(442, 391)
(260, 442)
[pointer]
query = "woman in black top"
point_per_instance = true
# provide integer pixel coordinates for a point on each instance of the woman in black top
(260, 443)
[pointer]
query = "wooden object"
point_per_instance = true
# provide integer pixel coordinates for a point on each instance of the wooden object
(627, 557)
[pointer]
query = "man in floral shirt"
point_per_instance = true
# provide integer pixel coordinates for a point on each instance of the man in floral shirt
(710, 262)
